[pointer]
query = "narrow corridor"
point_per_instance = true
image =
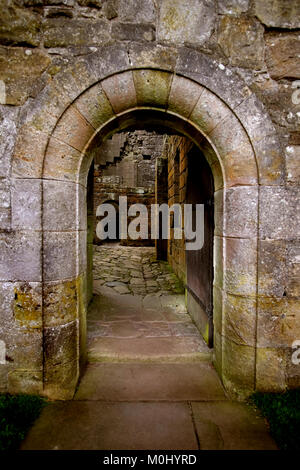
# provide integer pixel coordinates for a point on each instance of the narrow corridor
(138, 310)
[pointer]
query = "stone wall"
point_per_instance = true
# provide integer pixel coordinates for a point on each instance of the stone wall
(131, 173)
(226, 74)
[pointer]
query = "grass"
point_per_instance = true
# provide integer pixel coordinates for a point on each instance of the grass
(17, 414)
(282, 411)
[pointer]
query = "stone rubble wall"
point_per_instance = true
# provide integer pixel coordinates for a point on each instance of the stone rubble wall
(131, 175)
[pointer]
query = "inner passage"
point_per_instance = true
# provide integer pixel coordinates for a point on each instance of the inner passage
(138, 307)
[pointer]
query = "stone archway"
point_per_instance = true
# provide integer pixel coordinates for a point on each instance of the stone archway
(109, 91)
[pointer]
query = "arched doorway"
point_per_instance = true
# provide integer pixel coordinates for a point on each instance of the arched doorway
(212, 109)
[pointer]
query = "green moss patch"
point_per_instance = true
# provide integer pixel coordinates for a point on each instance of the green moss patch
(282, 410)
(17, 414)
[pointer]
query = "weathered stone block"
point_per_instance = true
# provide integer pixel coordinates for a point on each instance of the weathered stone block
(81, 219)
(60, 302)
(82, 251)
(6, 312)
(95, 106)
(27, 305)
(293, 268)
(255, 119)
(20, 325)
(25, 381)
(152, 87)
(233, 7)
(282, 55)
(4, 371)
(42, 113)
(63, 32)
(292, 160)
(60, 380)
(218, 176)
(240, 270)
(5, 219)
(239, 319)
(272, 268)
(209, 112)
(19, 69)
(233, 139)
(278, 13)
(240, 167)
(214, 75)
(19, 26)
(60, 344)
(60, 205)
(20, 256)
(62, 162)
(73, 129)
(218, 309)
(110, 9)
(270, 160)
(5, 197)
(238, 368)
(106, 61)
(279, 214)
(24, 348)
(278, 97)
(29, 153)
(217, 358)
(241, 205)
(59, 247)
(186, 22)
(219, 212)
(152, 55)
(26, 204)
(270, 370)
(218, 261)
(120, 91)
(278, 322)
(242, 41)
(137, 12)
(8, 132)
(133, 32)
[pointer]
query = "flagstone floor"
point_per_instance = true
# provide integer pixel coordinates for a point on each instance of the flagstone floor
(149, 382)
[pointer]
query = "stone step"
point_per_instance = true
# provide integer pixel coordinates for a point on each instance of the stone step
(150, 382)
(162, 349)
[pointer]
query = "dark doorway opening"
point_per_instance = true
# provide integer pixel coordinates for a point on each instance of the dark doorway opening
(199, 263)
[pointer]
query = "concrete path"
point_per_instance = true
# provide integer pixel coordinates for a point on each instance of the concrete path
(149, 383)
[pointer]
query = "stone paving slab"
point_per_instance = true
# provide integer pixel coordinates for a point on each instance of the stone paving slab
(130, 328)
(133, 269)
(150, 382)
(96, 425)
(162, 349)
(231, 426)
(78, 425)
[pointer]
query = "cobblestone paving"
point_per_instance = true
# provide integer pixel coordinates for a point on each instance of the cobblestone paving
(133, 270)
